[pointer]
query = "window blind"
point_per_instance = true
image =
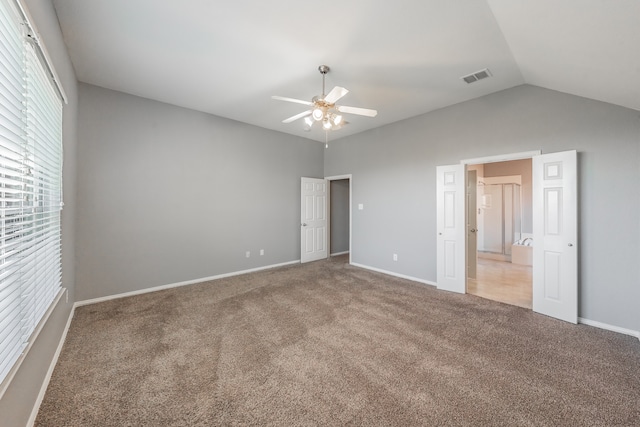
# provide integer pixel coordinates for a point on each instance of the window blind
(30, 188)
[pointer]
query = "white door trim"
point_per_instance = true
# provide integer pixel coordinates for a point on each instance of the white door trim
(336, 178)
(502, 157)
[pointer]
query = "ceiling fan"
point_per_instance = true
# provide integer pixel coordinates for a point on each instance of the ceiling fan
(323, 108)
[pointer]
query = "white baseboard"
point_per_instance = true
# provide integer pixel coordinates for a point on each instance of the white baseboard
(54, 361)
(52, 365)
(176, 285)
(581, 320)
(340, 253)
(391, 273)
(609, 327)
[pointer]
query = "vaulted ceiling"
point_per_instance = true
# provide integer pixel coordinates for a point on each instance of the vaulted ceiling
(403, 58)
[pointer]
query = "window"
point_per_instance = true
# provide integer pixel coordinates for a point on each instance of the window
(30, 185)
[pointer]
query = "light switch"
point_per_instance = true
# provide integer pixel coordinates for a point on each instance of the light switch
(360, 206)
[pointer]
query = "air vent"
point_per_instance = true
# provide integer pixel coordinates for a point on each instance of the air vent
(478, 75)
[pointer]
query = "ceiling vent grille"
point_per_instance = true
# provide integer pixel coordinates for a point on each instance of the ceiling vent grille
(478, 75)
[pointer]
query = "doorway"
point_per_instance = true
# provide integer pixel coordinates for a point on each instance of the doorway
(316, 210)
(500, 260)
(339, 214)
(555, 230)
(339, 217)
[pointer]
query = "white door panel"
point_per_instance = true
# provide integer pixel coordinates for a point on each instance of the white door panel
(555, 235)
(313, 219)
(451, 262)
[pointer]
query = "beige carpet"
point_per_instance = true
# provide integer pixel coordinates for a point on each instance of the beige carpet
(330, 344)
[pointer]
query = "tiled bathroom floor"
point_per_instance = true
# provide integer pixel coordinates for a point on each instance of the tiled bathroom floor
(502, 281)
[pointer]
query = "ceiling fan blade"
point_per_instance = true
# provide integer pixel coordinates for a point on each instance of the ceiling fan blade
(297, 101)
(355, 110)
(297, 116)
(335, 94)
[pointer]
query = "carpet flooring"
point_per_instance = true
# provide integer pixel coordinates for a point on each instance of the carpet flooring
(326, 343)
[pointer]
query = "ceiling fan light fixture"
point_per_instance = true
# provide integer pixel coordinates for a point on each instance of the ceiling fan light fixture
(323, 107)
(308, 120)
(318, 114)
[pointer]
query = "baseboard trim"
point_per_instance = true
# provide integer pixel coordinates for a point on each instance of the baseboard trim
(63, 337)
(52, 365)
(179, 284)
(340, 253)
(391, 273)
(608, 327)
(581, 320)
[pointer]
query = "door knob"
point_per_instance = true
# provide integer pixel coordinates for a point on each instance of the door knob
(570, 245)
(473, 230)
(304, 224)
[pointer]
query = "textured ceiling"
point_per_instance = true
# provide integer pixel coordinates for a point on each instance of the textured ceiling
(403, 58)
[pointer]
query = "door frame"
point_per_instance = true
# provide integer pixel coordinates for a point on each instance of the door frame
(337, 178)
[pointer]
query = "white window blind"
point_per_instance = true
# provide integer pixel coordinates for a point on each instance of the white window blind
(30, 187)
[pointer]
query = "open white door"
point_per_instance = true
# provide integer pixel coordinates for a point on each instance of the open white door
(472, 224)
(555, 235)
(451, 228)
(313, 220)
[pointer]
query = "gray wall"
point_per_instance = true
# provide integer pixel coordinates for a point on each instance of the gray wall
(339, 219)
(167, 194)
(394, 176)
(517, 167)
(17, 402)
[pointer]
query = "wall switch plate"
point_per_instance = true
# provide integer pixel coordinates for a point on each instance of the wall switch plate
(261, 252)
(247, 254)
(360, 206)
(395, 257)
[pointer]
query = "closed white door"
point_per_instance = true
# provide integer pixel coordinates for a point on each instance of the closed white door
(313, 220)
(555, 235)
(451, 228)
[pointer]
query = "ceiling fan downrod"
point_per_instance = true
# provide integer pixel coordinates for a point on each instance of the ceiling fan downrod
(324, 69)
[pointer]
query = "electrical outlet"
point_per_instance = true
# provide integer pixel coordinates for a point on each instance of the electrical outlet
(395, 257)
(247, 254)
(261, 252)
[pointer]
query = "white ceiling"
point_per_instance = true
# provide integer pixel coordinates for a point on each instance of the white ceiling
(403, 58)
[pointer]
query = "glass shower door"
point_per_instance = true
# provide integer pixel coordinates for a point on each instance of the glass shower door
(492, 206)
